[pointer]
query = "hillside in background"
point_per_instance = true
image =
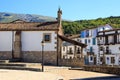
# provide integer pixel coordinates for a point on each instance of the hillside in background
(70, 27)
(9, 17)
(76, 26)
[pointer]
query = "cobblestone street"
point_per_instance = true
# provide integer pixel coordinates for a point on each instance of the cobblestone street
(54, 73)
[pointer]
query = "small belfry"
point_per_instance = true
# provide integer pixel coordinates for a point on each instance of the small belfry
(59, 19)
(59, 15)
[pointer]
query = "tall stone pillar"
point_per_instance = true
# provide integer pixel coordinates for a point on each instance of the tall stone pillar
(17, 45)
(59, 46)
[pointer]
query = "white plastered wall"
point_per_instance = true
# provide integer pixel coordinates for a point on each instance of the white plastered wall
(31, 41)
(5, 40)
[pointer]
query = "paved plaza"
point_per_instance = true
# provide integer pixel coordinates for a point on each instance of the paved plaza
(54, 73)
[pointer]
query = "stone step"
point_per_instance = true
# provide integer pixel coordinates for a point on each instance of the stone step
(20, 68)
(16, 60)
(75, 68)
(4, 61)
(12, 64)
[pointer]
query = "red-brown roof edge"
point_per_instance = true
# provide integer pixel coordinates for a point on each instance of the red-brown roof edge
(71, 41)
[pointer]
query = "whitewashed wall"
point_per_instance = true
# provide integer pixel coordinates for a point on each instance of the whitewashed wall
(5, 40)
(108, 61)
(31, 41)
(95, 47)
(115, 49)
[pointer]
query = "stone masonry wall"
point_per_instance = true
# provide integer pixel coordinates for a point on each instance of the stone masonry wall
(17, 45)
(71, 62)
(103, 69)
(5, 55)
(50, 57)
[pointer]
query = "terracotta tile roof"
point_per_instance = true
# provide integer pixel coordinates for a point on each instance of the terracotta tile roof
(74, 36)
(72, 41)
(29, 26)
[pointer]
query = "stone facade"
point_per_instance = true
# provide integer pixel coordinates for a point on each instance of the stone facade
(26, 53)
(50, 57)
(5, 55)
(72, 62)
(103, 69)
(17, 45)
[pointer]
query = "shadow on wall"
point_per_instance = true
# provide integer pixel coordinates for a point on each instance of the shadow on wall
(100, 78)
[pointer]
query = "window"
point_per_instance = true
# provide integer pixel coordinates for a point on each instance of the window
(85, 41)
(88, 40)
(78, 50)
(91, 58)
(63, 48)
(94, 41)
(70, 51)
(119, 48)
(112, 60)
(87, 33)
(47, 37)
(107, 50)
(91, 49)
(101, 59)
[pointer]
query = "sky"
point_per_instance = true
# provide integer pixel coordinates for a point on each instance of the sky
(72, 9)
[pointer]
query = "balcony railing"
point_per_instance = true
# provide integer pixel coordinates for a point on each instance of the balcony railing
(111, 42)
(108, 52)
(69, 53)
(101, 43)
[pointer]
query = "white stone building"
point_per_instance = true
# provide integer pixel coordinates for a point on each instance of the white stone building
(88, 37)
(108, 42)
(22, 40)
(72, 48)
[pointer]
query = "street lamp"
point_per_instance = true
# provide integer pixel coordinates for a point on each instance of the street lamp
(42, 43)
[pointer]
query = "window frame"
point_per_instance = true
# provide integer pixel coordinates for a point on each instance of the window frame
(112, 60)
(89, 41)
(93, 41)
(91, 58)
(44, 34)
(86, 41)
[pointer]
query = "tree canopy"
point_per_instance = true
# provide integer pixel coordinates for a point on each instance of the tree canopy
(76, 26)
